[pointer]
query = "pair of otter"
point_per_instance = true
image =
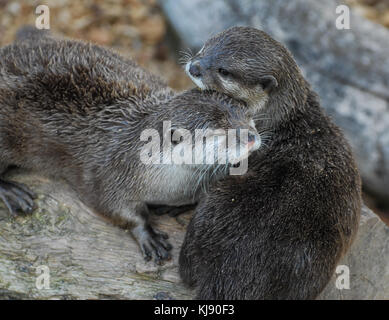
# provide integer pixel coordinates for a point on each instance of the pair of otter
(275, 233)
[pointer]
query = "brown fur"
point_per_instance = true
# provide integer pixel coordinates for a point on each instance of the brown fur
(76, 111)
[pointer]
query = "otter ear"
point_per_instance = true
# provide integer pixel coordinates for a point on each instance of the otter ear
(268, 82)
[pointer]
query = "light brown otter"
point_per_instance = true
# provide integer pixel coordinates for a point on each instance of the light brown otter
(77, 111)
(279, 231)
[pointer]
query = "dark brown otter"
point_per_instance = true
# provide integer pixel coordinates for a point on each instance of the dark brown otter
(279, 231)
(77, 111)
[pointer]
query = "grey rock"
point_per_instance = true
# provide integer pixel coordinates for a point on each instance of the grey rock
(367, 262)
(348, 68)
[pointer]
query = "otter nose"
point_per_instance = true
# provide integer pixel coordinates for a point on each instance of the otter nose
(194, 69)
(251, 137)
(253, 140)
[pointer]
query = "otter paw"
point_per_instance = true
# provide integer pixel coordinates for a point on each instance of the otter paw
(17, 197)
(157, 249)
(153, 244)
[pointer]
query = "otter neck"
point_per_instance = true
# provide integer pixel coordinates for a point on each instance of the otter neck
(285, 104)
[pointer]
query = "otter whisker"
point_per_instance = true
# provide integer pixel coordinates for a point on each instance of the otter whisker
(185, 56)
(260, 117)
(214, 171)
(203, 171)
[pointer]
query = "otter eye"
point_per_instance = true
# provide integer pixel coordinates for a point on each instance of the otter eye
(176, 132)
(224, 72)
(174, 142)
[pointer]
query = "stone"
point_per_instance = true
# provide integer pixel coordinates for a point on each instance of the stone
(367, 262)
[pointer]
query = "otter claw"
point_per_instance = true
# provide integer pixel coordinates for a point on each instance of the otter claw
(161, 237)
(146, 252)
(160, 250)
(153, 248)
(16, 197)
(152, 244)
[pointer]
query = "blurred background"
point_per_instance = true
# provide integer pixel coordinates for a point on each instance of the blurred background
(135, 28)
(348, 68)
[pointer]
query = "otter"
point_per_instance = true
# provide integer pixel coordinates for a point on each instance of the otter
(77, 111)
(278, 231)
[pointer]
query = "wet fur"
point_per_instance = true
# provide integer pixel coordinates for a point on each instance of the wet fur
(75, 111)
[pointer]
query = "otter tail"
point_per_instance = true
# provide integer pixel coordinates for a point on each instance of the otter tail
(31, 33)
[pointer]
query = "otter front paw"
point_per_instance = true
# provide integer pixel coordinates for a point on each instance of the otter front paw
(16, 197)
(152, 243)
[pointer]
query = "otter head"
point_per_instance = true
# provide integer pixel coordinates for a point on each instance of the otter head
(203, 130)
(244, 63)
(192, 139)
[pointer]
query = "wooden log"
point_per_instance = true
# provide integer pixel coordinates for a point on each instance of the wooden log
(89, 258)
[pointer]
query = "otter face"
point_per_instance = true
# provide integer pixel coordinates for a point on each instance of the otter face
(211, 128)
(196, 137)
(241, 62)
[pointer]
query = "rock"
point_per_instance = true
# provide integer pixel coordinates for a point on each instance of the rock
(87, 257)
(367, 261)
(348, 68)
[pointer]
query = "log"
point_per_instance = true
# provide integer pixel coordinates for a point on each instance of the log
(348, 68)
(87, 257)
